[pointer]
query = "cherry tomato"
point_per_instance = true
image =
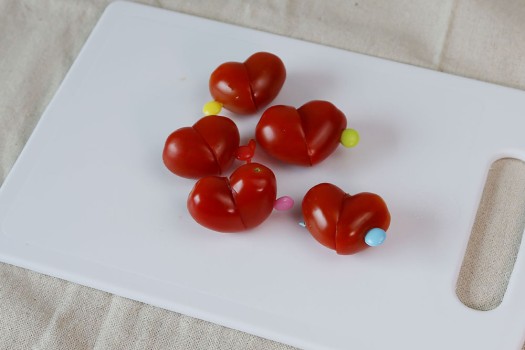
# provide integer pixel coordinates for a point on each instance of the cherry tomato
(238, 203)
(206, 148)
(303, 136)
(245, 87)
(341, 221)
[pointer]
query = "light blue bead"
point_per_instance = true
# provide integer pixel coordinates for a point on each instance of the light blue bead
(375, 237)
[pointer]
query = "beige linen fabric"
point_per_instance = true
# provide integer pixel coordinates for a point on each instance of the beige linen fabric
(490, 257)
(39, 39)
(486, 41)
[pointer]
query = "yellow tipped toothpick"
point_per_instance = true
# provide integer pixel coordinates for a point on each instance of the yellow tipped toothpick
(349, 138)
(212, 108)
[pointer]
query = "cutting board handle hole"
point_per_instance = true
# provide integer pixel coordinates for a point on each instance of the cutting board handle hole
(495, 238)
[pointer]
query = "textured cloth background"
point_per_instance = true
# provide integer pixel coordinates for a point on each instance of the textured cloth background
(39, 40)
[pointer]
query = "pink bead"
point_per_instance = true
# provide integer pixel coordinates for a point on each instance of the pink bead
(283, 203)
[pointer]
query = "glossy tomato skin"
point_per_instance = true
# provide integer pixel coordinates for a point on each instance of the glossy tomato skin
(211, 204)
(245, 87)
(303, 136)
(359, 214)
(185, 154)
(230, 85)
(234, 204)
(280, 133)
(254, 189)
(341, 221)
(267, 74)
(320, 207)
(222, 136)
(206, 148)
(323, 124)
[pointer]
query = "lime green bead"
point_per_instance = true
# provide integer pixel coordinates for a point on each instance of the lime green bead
(212, 108)
(349, 138)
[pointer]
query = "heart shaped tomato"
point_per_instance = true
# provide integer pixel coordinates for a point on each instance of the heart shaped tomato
(303, 136)
(206, 148)
(341, 221)
(236, 204)
(245, 87)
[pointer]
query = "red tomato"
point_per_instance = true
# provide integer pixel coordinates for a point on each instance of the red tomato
(341, 221)
(243, 88)
(236, 204)
(206, 148)
(303, 136)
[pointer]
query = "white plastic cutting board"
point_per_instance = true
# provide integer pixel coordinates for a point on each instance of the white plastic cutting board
(90, 201)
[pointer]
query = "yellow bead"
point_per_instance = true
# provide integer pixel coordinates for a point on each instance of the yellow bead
(212, 108)
(349, 138)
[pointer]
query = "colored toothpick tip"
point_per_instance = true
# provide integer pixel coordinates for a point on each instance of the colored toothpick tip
(283, 203)
(349, 138)
(375, 237)
(212, 108)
